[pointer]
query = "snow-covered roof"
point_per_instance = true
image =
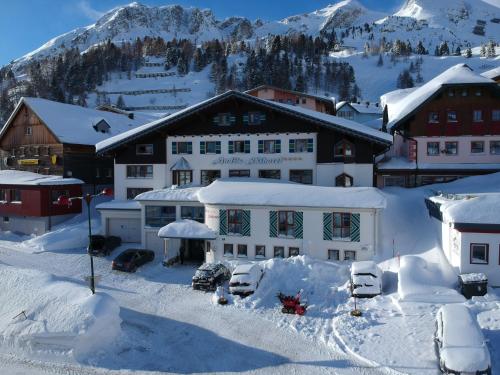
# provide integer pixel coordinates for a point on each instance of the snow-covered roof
(366, 266)
(492, 74)
(181, 165)
(11, 177)
(456, 75)
(266, 192)
(473, 208)
(119, 205)
(394, 96)
(367, 108)
(398, 162)
(187, 229)
(74, 124)
(172, 194)
(318, 117)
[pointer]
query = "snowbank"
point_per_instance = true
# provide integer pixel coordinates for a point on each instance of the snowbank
(420, 282)
(41, 314)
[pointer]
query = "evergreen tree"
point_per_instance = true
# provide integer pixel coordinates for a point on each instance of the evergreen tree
(468, 52)
(120, 103)
(380, 61)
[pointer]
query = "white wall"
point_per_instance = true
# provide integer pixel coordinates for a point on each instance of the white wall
(159, 180)
(362, 174)
(312, 243)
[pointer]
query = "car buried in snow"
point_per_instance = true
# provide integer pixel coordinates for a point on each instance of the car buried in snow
(209, 276)
(131, 259)
(366, 279)
(245, 279)
(460, 343)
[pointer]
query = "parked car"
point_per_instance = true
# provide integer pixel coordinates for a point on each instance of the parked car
(366, 279)
(102, 246)
(210, 275)
(245, 279)
(131, 259)
(460, 342)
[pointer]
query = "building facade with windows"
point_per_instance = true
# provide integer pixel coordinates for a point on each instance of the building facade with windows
(28, 201)
(470, 232)
(365, 113)
(446, 129)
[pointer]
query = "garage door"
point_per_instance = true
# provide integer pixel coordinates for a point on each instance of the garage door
(129, 230)
(155, 243)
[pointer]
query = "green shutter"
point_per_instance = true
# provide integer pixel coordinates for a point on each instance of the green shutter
(247, 146)
(174, 148)
(327, 226)
(273, 223)
(310, 145)
(216, 120)
(189, 147)
(355, 227)
(217, 147)
(261, 146)
(245, 223)
(223, 222)
(202, 147)
(277, 148)
(245, 119)
(298, 219)
(230, 146)
(291, 146)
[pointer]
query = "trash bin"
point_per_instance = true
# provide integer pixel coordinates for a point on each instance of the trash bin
(473, 284)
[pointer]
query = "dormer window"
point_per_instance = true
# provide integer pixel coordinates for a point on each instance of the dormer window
(344, 149)
(343, 180)
(224, 119)
(102, 126)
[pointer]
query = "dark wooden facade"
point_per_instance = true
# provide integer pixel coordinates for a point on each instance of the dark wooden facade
(29, 145)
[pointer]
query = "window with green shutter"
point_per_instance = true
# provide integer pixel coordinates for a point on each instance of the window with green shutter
(273, 224)
(299, 224)
(202, 147)
(301, 145)
(238, 222)
(355, 227)
(210, 147)
(327, 226)
(223, 222)
(247, 146)
(291, 146)
(174, 148)
(182, 148)
(230, 147)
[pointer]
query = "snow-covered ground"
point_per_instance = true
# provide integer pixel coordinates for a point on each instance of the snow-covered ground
(168, 327)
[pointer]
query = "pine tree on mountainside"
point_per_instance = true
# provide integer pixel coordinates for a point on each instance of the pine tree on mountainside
(120, 103)
(468, 52)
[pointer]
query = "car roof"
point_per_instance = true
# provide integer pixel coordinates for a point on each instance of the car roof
(460, 328)
(208, 266)
(366, 266)
(244, 268)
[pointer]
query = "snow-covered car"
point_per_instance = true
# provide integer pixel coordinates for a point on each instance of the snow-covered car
(366, 279)
(245, 279)
(460, 342)
(209, 276)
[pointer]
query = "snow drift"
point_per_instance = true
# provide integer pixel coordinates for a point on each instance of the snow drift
(40, 313)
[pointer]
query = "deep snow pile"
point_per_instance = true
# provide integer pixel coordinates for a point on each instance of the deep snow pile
(54, 316)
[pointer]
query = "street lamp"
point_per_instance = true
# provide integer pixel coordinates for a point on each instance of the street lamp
(64, 200)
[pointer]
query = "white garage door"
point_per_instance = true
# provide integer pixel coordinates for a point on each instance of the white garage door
(129, 230)
(155, 243)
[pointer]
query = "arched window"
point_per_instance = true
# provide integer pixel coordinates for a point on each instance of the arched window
(344, 149)
(343, 180)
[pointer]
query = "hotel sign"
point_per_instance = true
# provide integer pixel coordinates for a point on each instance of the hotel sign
(256, 160)
(28, 162)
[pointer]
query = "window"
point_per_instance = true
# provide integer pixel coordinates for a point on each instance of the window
(255, 118)
(15, 195)
(293, 251)
(346, 114)
(303, 176)
(55, 194)
(451, 93)
(224, 119)
(209, 176)
(239, 173)
(159, 216)
(349, 255)
(228, 249)
(145, 149)
(260, 251)
(477, 147)
(479, 253)
(478, 92)
(341, 225)
(139, 171)
(239, 147)
(45, 151)
(477, 115)
(193, 213)
(451, 148)
(28, 130)
(3, 195)
(182, 148)
(210, 147)
(301, 145)
(182, 177)
(434, 117)
(465, 92)
(343, 180)
(234, 221)
(270, 173)
(269, 146)
(495, 147)
(333, 254)
(286, 223)
(432, 148)
(344, 149)
(279, 252)
(242, 250)
(6, 219)
(134, 192)
(304, 100)
(495, 115)
(98, 173)
(451, 116)
(109, 172)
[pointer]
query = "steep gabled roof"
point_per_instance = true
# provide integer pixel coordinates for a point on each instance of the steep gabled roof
(370, 108)
(74, 124)
(322, 119)
(492, 74)
(460, 74)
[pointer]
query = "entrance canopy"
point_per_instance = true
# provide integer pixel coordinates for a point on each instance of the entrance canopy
(188, 229)
(181, 165)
